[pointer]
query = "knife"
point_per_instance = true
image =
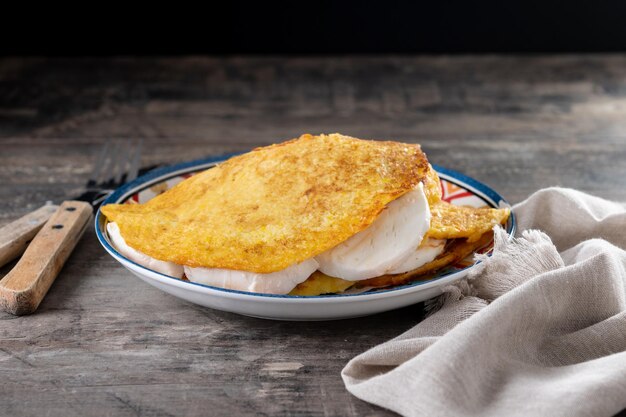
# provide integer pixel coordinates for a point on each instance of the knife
(56, 229)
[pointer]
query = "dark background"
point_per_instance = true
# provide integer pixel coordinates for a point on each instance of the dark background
(315, 27)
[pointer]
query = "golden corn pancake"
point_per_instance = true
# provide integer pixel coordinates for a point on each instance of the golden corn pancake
(313, 215)
(451, 222)
(275, 206)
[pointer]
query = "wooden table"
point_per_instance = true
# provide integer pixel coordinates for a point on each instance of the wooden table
(105, 343)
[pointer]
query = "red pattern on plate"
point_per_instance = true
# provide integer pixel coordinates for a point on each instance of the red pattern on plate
(450, 191)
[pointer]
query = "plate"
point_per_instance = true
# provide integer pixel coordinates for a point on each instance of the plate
(457, 189)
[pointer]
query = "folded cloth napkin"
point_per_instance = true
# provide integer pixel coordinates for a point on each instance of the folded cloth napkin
(538, 329)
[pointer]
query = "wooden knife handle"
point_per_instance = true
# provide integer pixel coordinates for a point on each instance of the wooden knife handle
(14, 237)
(23, 288)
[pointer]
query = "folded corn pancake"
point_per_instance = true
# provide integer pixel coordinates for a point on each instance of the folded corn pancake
(265, 220)
(275, 206)
(451, 222)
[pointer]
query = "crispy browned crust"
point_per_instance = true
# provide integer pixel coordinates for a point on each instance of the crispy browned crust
(275, 206)
(432, 186)
(453, 222)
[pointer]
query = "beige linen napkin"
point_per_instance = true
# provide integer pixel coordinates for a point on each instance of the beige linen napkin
(539, 328)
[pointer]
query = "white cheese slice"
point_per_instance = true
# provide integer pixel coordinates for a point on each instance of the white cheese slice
(279, 282)
(391, 239)
(167, 268)
(426, 252)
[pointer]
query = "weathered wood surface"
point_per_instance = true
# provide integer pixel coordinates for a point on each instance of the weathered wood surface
(104, 343)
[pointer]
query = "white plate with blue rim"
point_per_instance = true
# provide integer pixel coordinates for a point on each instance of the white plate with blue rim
(457, 189)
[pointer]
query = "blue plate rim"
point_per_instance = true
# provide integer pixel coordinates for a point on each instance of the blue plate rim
(489, 195)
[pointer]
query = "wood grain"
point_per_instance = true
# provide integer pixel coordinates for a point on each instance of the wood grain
(104, 343)
(23, 288)
(15, 236)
